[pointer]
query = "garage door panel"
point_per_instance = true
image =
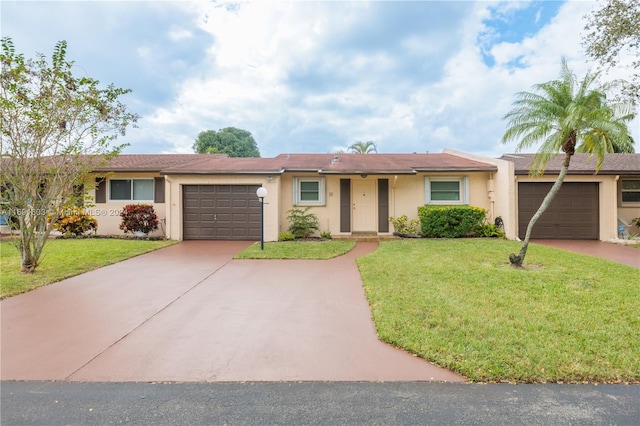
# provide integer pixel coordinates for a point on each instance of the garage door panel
(223, 217)
(240, 189)
(223, 212)
(239, 217)
(573, 214)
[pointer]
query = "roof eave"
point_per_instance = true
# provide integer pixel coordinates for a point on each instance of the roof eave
(222, 172)
(367, 172)
(457, 169)
(582, 172)
(130, 170)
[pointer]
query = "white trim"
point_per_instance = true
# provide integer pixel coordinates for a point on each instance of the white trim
(131, 181)
(321, 191)
(463, 190)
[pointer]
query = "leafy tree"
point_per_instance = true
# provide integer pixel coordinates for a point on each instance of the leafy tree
(565, 115)
(363, 147)
(613, 31)
(231, 141)
(56, 128)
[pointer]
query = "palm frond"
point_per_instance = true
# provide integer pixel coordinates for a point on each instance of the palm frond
(567, 110)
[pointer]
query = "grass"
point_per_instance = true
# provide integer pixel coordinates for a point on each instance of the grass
(65, 258)
(298, 250)
(565, 318)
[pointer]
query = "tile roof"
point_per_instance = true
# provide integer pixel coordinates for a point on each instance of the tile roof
(152, 162)
(581, 164)
(331, 164)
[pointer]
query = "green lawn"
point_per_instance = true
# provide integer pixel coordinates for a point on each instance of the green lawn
(298, 250)
(65, 258)
(565, 318)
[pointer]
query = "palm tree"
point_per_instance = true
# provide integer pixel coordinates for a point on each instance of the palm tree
(566, 115)
(363, 147)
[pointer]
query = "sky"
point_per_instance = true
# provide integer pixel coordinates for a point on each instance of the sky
(314, 76)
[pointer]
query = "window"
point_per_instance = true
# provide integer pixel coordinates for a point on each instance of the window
(630, 190)
(308, 191)
(447, 190)
(131, 189)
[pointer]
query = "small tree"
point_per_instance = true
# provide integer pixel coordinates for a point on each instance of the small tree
(303, 223)
(568, 116)
(138, 218)
(56, 128)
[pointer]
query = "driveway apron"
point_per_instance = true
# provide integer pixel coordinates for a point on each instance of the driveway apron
(610, 251)
(190, 313)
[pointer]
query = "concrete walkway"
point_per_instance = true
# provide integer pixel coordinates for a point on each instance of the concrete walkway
(190, 313)
(611, 251)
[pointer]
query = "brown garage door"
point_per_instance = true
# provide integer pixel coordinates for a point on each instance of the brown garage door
(573, 214)
(220, 212)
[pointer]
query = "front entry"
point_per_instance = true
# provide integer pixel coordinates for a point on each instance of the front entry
(364, 205)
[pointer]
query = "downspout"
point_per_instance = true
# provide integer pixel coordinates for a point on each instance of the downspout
(490, 194)
(615, 210)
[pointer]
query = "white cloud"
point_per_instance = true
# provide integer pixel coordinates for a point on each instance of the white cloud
(312, 76)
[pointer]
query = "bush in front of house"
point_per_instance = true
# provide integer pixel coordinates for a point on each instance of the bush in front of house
(302, 223)
(451, 221)
(490, 230)
(138, 218)
(74, 221)
(403, 226)
(286, 236)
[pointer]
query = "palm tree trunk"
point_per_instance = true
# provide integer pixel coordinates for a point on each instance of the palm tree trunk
(517, 261)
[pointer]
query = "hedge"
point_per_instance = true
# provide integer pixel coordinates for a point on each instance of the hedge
(451, 221)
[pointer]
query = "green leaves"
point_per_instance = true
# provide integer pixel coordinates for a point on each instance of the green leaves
(568, 115)
(55, 128)
(231, 141)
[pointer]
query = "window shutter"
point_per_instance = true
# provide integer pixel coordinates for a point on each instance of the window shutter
(465, 183)
(101, 190)
(158, 195)
(345, 205)
(383, 205)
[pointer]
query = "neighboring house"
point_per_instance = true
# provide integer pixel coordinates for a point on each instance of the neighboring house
(214, 197)
(589, 205)
(133, 179)
(205, 196)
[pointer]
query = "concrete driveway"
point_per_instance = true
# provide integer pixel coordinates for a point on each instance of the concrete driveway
(190, 312)
(618, 253)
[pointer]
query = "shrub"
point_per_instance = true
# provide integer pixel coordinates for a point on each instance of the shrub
(451, 221)
(303, 223)
(490, 230)
(286, 236)
(138, 218)
(74, 221)
(403, 226)
(326, 234)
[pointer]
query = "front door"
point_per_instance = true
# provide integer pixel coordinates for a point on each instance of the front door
(364, 206)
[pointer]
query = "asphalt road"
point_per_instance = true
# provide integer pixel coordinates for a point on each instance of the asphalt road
(327, 403)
